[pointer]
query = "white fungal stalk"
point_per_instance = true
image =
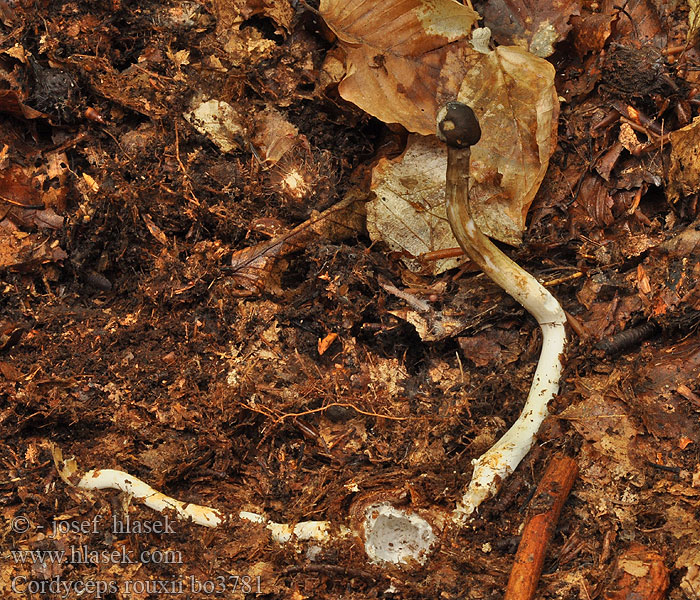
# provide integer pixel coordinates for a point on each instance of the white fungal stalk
(458, 127)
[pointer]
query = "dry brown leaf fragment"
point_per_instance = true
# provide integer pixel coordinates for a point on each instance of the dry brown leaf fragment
(10, 334)
(493, 346)
(684, 442)
(325, 342)
(683, 178)
(155, 231)
(689, 559)
(17, 187)
(693, 21)
(136, 87)
(408, 210)
(643, 280)
(251, 267)
(590, 31)
(628, 138)
(480, 349)
(231, 14)
(24, 251)
(640, 572)
(274, 135)
(641, 22)
(11, 102)
(532, 25)
(220, 121)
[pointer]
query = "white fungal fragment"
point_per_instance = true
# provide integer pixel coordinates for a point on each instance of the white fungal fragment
(391, 535)
(283, 532)
(396, 536)
(102, 479)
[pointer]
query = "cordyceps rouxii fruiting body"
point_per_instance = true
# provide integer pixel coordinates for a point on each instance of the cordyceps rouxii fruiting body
(458, 127)
(389, 533)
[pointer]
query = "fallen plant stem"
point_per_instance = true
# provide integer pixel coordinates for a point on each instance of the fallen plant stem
(442, 254)
(458, 127)
(564, 279)
(250, 266)
(540, 525)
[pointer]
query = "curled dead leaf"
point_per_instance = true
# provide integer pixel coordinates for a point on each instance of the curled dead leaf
(404, 59)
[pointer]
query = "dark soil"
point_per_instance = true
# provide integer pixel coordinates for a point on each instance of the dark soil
(135, 337)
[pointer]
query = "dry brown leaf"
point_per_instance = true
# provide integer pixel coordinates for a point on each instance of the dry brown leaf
(18, 189)
(220, 121)
(639, 573)
(408, 210)
(25, 251)
(605, 423)
(274, 136)
(404, 59)
(432, 326)
(156, 231)
(512, 93)
(135, 87)
(231, 14)
(493, 346)
(251, 267)
(642, 22)
(690, 559)
(480, 349)
(683, 176)
(693, 21)
(12, 103)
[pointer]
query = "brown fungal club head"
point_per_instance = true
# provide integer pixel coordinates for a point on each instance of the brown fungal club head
(457, 125)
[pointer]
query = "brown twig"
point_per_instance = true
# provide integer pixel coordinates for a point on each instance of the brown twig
(539, 527)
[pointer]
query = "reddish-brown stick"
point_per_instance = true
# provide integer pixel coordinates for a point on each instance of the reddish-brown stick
(540, 526)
